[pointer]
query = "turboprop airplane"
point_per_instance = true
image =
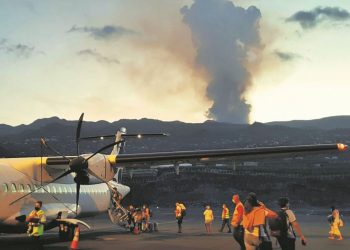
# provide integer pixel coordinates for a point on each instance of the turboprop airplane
(74, 187)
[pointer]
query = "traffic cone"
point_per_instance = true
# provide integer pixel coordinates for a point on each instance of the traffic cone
(75, 241)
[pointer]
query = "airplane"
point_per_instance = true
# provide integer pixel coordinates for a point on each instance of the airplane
(76, 187)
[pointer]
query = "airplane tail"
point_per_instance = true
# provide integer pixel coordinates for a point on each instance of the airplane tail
(118, 137)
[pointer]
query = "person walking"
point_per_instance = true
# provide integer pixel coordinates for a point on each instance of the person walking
(178, 216)
(254, 222)
(208, 219)
(236, 222)
(335, 222)
(287, 236)
(225, 216)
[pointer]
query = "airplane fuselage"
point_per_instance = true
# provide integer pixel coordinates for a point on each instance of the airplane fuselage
(19, 176)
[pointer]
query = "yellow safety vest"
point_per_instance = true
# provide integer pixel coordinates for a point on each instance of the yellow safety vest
(38, 228)
(225, 213)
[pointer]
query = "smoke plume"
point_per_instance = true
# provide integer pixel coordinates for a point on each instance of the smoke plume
(224, 36)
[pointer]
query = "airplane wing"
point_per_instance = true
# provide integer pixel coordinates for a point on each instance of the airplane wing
(212, 154)
(227, 153)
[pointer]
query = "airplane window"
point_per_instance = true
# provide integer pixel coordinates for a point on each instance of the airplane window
(13, 187)
(5, 187)
(35, 187)
(48, 189)
(59, 189)
(21, 188)
(69, 190)
(29, 188)
(53, 189)
(64, 190)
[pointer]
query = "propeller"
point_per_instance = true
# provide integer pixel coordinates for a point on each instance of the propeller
(77, 135)
(77, 165)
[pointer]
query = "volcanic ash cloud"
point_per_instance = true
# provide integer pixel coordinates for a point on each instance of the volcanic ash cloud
(224, 36)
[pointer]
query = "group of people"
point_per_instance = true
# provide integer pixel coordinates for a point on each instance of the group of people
(139, 218)
(209, 218)
(250, 221)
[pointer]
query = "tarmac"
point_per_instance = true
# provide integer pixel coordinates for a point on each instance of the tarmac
(105, 235)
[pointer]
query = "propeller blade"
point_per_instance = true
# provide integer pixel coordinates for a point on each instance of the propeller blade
(59, 177)
(44, 143)
(104, 148)
(77, 135)
(77, 198)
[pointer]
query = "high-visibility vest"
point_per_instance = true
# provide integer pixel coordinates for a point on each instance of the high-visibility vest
(225, 213)
(237, 216)
(38, 228)
(208, 216)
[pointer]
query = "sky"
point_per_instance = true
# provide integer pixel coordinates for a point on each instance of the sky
(232, 61)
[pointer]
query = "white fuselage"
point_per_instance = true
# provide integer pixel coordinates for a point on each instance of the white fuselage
(58, 197)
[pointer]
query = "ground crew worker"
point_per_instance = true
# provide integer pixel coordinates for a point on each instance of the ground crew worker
(335, 222)
(236, 222)
(178, 216)
(287, 239)
(225, 216)
(254, 219)
(145, 217)
(208, 219)
(36, 221)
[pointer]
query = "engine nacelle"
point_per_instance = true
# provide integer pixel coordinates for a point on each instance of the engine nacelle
(101, 167)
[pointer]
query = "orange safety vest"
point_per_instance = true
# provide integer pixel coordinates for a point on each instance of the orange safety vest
(225, 213)
(254, 218)
(236, 216)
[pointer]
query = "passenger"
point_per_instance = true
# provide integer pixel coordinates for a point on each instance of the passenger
(254, 217)
(138, 219)
(183, 209)
(335, 222)
(208, 219)
(36, 221)
(236, 222)
(145, 217)
(287, 236)
(130, 217)
(178, 216)
(225, 216)
(117, 197)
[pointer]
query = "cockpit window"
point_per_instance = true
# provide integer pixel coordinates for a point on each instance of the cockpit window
(5, 187)
(13, 187)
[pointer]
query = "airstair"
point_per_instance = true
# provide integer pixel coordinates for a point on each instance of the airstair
(118, 215)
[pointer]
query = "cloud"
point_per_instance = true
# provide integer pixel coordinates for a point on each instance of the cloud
(226, 38)
(19, 50)
(106, 32)
(97, 56)
(310, 19)
(287, 56)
